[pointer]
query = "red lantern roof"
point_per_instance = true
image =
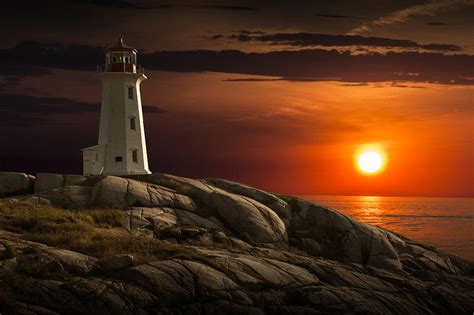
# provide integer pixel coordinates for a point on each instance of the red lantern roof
(120, 45)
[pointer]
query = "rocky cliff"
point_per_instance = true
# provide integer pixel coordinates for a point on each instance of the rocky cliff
(165, 244)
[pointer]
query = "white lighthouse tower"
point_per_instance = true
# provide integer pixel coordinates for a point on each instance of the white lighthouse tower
(121, 149)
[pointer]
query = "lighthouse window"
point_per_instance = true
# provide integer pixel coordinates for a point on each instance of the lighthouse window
(118, 159)
(130, 92)
(132, 123)
(114, 59)
(135, 156)
(126, 59)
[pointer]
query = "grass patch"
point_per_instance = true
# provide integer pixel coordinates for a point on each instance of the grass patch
(26, 217)
(94, 232)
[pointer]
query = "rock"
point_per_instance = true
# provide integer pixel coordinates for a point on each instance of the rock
(72, 261)
(121, 192)
(225, 250)
(69, 197)
(149, 221)
(36, 200)
(110, 191)
(74, 180)
(278, 205)
(23, 308)
(54, 266)
(186, 186)
(339, 237)
(248, 219)
(189, 218)
(48, 181)
(381, 252)
(251, 221)
(116, 262)
(13, 184)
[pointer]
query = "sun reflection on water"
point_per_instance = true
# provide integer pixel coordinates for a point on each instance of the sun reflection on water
(370, 208)
(446, 223)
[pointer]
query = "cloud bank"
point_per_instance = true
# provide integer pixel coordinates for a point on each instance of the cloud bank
(328, 40)
(299, 65)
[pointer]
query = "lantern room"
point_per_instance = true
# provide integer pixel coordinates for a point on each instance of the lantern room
(121, 58)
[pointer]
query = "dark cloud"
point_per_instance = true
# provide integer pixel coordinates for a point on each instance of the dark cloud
(247, 32)
(226, 7)
(13, 73)
(137, 5)
(29, 109)
(253, 79)
(45, 105)
(54, 55)
(319, 65)
(436, 24)
(400, 85)
(356, 84)
(312, 39)
(300, 65)
(337, 16)
(129, 5)
(115, 4)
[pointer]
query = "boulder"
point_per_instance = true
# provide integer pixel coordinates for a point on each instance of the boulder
(13, 184)
(189, 218)
(116, 262)
(186, 186)
(381, 252)
(71, 261)
(247, 218)
(251, 221)
(339, 237)
(278, 205)
(149, 221)
(110, 191)
(48, 181)
(74, 180)
(122, 192)
(69, 197)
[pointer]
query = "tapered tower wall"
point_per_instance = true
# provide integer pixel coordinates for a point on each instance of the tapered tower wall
(121, 148)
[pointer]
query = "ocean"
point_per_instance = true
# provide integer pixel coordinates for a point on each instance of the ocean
(445, 223)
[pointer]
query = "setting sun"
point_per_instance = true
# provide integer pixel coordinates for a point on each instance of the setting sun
(370, 159)
(370, 162)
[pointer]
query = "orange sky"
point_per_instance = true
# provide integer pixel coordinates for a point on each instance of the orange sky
(294, 137)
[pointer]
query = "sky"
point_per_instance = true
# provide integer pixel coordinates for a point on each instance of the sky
(275, 94)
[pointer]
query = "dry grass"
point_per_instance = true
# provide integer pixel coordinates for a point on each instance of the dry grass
(94, 232)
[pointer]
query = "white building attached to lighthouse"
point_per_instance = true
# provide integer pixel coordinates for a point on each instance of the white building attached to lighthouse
(121, 148)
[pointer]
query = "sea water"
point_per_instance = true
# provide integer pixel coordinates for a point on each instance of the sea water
(445, 223)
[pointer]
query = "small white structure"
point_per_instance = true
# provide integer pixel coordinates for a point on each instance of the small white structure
(121, 149)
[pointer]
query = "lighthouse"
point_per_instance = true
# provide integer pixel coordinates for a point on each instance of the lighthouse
(121, 147)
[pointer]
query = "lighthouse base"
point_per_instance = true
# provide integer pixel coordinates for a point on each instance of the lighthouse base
(96, 162)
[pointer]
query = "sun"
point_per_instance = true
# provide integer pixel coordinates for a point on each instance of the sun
(370, 159)
(370, 162)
